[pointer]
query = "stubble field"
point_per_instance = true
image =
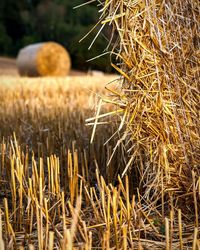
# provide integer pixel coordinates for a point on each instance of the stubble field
(50, 172)
(56, 188)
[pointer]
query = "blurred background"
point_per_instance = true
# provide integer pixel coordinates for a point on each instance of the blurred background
(24, 22)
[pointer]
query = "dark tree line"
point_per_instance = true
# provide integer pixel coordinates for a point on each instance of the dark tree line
(23, 22)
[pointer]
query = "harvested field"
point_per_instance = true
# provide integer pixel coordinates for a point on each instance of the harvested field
(43, 122)
(52, 192)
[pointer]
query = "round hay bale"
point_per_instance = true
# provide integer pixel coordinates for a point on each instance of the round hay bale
(43, 59)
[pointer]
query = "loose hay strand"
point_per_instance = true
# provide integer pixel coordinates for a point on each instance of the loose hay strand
(157, 51)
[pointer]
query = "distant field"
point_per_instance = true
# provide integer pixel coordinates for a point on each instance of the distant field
(39, 106)
(8, 67)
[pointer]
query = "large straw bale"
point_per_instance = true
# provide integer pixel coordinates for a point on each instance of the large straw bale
(158, 100)
(43, 59)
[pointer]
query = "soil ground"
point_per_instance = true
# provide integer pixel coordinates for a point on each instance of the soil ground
(8, 66)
